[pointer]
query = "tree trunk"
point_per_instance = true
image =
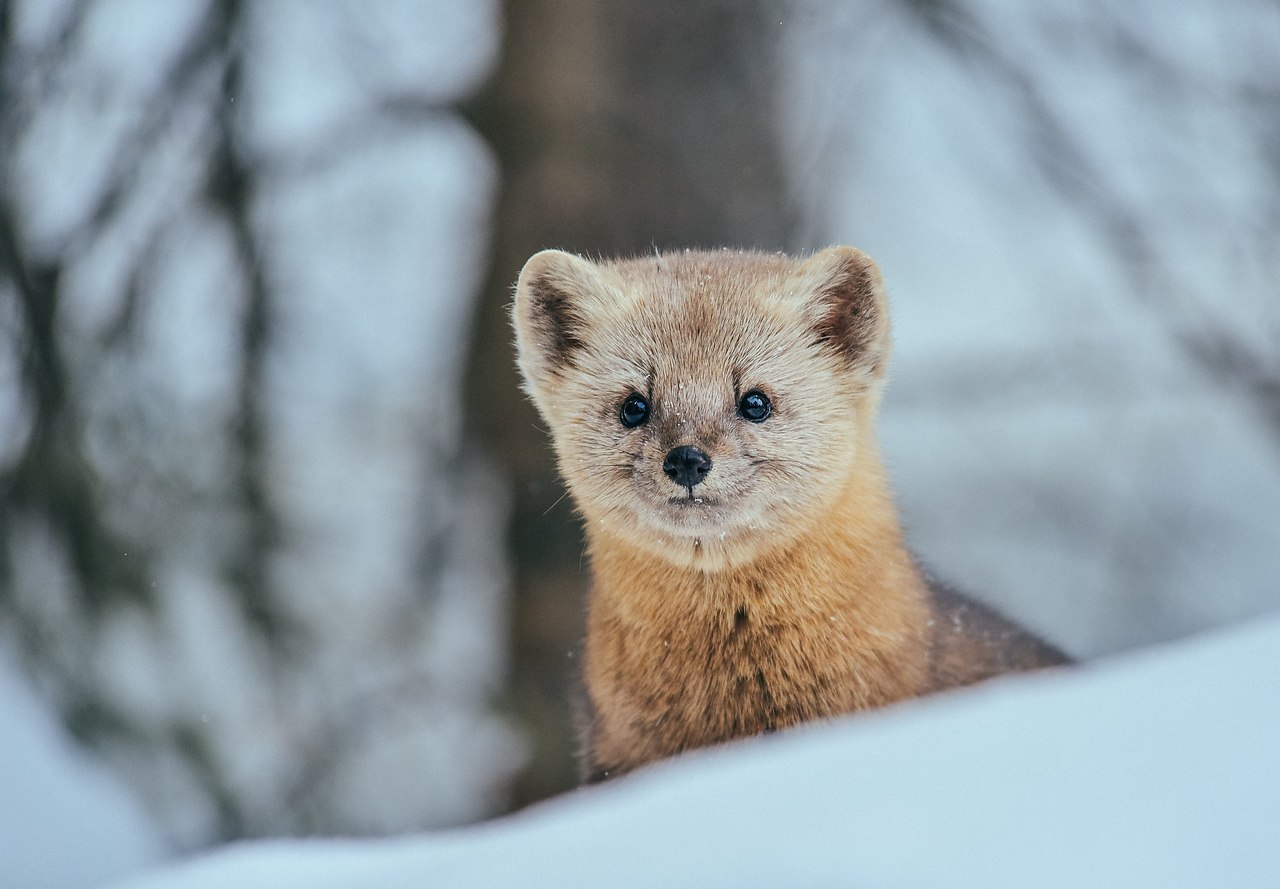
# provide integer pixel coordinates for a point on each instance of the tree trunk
(621, 128)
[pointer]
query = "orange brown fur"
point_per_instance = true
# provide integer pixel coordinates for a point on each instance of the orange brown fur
(779, 589)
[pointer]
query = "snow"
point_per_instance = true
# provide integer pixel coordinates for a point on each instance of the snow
(65, 821)
(1152, 769)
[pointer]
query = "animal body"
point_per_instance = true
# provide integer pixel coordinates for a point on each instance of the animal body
(713, 415)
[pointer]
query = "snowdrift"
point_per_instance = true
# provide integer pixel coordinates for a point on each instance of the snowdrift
(1160, 768)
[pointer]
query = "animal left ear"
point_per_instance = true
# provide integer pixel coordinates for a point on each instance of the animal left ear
(851, 313)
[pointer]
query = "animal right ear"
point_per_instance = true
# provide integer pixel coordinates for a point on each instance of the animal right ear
(547, 315)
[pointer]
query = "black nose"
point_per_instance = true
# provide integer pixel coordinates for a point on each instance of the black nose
(686, 466)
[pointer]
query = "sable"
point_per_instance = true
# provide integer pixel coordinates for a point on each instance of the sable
(713, 414)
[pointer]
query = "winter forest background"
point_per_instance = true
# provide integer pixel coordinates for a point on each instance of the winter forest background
(281, 545)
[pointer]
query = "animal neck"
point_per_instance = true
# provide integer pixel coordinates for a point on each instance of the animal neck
(833, 622)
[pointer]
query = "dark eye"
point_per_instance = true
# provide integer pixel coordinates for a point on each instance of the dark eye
(755, 406)
(635, 410)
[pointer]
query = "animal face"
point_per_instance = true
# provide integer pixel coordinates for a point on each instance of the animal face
(703, 405)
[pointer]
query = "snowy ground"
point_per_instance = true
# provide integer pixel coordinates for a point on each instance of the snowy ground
(65, 821)
(1154, 769)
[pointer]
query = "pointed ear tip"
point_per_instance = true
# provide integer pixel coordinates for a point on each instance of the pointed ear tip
(551, 258)
(538, 262)
(548, 254)
(849, 263)
(843, 253)
(550, 265)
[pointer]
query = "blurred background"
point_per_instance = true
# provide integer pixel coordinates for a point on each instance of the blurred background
(282, 548)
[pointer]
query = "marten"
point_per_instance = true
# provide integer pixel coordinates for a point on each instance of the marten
(713, 416)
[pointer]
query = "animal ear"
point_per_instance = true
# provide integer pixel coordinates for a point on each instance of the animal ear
(547, 314)
(851, 313)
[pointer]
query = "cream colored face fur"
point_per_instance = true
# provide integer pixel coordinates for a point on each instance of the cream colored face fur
(692, 333)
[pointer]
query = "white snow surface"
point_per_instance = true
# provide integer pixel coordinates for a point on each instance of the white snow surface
(1154, 769)
(66, 821)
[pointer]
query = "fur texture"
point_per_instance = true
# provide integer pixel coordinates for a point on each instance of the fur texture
(777, 588)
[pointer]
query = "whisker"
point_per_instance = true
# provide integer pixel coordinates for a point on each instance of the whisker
(557, 503)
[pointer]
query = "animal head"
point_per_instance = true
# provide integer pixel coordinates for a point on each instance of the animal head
(704, 406)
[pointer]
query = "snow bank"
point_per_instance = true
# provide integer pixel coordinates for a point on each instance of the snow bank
(1156, 769)
(65, 820)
